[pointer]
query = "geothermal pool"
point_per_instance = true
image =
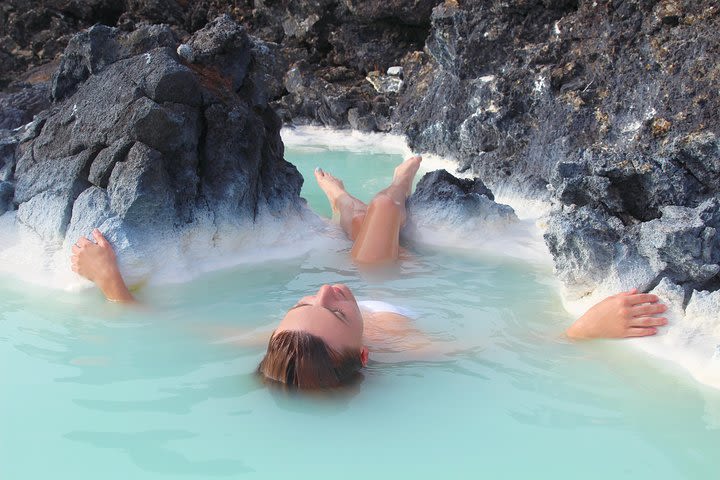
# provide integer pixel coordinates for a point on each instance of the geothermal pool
(92, 390)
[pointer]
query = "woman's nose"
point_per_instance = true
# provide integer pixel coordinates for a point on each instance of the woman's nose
(325, 294)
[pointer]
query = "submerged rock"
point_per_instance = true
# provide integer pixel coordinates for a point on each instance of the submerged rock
(445, 205)
(141, 142)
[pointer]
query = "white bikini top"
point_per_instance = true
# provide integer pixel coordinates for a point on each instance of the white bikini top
(374, 306)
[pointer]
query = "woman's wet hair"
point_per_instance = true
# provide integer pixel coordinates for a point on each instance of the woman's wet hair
(304, 361)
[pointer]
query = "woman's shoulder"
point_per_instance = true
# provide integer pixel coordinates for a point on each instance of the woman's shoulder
(377, 306)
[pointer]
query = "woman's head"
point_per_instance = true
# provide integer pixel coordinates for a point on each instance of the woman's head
(318, 343)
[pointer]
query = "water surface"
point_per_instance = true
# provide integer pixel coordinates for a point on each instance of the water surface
(91, 390)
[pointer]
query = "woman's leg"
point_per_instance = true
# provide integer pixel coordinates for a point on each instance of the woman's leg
(351, 210)
(378, 239)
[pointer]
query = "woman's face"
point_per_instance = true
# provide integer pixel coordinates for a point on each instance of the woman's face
(331, 314)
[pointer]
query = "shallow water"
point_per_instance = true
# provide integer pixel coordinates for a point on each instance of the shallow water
(92, 390)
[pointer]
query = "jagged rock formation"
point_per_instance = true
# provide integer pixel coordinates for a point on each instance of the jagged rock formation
(608, 102)
(329, 46)
(602, 101)
(444, 204)
(142, 142)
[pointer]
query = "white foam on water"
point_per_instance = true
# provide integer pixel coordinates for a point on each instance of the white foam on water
(24, 255)
(525, 208)
(521, 240)
(167, 257)
(691, 339)
(312, 138)
(308, 138)
(201, 250)
(432, 162)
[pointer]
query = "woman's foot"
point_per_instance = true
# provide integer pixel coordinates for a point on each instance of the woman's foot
(333, 187)
(350, 210)
(97, 263)
(405, 174)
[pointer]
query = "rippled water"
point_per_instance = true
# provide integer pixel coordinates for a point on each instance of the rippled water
(91, 390)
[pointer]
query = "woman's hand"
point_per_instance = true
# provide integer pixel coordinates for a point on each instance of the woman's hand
(97, 262)
(627, 314)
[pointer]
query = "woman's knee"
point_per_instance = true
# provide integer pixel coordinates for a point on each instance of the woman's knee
(383, 201)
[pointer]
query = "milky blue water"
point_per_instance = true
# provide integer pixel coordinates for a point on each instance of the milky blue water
(92, 390)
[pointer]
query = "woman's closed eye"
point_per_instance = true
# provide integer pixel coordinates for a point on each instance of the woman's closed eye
(338, 313)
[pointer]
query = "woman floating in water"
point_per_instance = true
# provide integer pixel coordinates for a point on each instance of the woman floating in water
(321, 341)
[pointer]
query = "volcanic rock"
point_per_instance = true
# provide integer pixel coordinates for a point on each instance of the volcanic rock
(591, 248)
(443, 203)
(609, 103)
(19, 107)
(141, 142)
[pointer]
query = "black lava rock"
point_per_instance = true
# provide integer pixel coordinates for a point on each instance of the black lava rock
(141, 141)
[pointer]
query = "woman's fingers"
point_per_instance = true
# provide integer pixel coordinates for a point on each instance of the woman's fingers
(648, 322)
(647, 309)
(83, 241)
(99, 238)
(640, 331)
(639, 298)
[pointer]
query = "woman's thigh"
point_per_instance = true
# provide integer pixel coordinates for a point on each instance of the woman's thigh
(378, 238)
